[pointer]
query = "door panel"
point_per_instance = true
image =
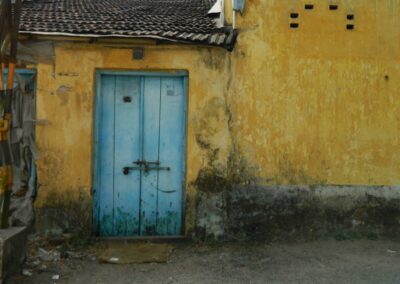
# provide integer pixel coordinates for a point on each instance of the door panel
(140, 164)
(151, 130)
(106, 156)
(127, 150)
(172, 148)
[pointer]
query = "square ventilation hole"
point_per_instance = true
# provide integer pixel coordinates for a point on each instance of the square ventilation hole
(294, 15)
(294, 25)
(350, 17)
(333, 7)
(309, 6)
(350, 27)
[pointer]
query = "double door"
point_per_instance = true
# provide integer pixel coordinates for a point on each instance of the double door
(140, 154)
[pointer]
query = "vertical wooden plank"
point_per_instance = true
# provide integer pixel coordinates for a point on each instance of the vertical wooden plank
(172, 154)
(106, 155)
(151, 128)
(96, 160)
(127, 150)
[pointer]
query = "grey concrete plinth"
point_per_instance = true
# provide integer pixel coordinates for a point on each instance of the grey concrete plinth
(13, 247)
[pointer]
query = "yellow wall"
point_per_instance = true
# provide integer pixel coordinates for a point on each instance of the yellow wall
(65, 104)
(319, 104)
(313, 105)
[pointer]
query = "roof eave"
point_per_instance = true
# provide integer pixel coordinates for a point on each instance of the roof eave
(228, 44)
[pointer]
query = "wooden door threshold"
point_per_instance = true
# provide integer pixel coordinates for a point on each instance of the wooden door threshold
(154, 239)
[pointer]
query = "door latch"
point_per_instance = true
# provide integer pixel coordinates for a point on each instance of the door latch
(145, 166)
(146, 163)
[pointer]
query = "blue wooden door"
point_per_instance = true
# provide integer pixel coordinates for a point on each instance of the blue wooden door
(140, 147)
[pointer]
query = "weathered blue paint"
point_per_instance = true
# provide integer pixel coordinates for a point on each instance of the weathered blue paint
(106, 155)
(26, 73)
(172, 144)
(127, 149)
(171, 73)
(139, 116)
(151, 130)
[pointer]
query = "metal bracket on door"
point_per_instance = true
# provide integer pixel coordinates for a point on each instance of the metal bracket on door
(157, 169)
(146, 163)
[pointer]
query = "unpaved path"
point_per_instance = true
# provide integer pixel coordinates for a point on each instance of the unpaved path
(314, 262)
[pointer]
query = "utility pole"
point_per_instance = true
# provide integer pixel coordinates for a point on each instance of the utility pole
(10, 12)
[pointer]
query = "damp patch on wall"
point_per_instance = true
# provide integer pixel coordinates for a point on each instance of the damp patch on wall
(277, 213)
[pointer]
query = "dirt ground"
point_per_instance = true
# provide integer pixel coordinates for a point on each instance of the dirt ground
(313, 262)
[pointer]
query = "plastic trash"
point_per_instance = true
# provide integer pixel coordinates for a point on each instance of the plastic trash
(45, 255)
(113, 259)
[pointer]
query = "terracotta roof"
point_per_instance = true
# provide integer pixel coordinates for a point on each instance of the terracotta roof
(171, 20)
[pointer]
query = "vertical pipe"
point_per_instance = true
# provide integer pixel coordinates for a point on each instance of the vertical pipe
(6, 174)
(1, 74)
(6, 167)
(4, 162)
(11, 74)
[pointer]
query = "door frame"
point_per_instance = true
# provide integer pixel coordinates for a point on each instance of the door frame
(95, 142)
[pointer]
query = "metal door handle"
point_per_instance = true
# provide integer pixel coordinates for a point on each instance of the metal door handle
(127, 170)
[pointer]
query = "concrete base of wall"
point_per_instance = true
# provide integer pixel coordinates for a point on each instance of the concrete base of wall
(299, 212)
(13, 248)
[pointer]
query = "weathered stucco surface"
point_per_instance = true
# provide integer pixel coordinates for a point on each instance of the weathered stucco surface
(319, 104)
(66, 102)
(314, 105)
